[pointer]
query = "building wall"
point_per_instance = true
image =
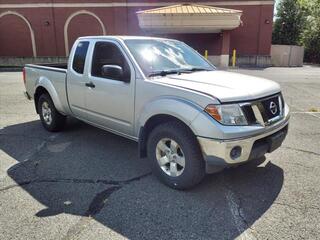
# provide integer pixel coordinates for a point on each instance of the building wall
(254, 36)
(8, 37)
(49, 25)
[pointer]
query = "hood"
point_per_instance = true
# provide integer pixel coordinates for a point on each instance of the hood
(225, 86)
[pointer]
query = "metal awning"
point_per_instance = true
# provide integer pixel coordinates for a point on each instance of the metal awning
(189, 18)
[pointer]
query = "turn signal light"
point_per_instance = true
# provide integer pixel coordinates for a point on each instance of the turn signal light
(212, 110)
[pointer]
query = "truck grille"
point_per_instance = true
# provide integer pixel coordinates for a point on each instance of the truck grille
(264, 111)
(270, 107)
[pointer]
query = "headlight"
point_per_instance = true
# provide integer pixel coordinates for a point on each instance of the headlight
(229, 114)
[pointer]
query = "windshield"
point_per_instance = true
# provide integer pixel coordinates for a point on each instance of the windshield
(162, 57)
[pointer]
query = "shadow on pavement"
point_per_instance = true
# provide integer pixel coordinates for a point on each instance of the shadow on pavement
(85, 171)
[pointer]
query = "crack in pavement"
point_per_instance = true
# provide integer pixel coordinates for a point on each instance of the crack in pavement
(95, 207)
(295, 207)
(97, 204)
(98, 201)
(301, 150)
(32, 155)
(76, 180)
(244, 197)
(235, 205)
(28, 136)
(300, 165)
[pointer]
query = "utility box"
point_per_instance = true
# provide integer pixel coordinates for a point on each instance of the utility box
(287, 55)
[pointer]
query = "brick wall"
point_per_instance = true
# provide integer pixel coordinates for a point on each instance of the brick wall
(252, 38)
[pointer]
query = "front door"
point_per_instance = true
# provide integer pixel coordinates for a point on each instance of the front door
(110, 98)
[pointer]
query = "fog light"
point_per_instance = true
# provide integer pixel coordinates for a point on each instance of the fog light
(235, 152)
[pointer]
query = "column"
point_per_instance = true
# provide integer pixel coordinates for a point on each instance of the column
(225, 48)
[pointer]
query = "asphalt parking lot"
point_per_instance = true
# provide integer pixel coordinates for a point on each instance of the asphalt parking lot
(84, 183)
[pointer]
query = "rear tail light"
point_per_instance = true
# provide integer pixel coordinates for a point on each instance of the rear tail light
(24, 75)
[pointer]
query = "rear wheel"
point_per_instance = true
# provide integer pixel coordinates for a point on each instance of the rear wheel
(175, 155)
(51, 119)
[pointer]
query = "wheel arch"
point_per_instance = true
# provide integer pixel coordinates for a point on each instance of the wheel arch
(150, 124)
(45, 86)
(164, 109)
(39, 91)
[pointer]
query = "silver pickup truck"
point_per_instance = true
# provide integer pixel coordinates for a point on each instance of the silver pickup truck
(188, 117)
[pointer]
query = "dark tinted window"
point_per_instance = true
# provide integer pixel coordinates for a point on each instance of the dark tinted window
(80, 57)
(106, 53)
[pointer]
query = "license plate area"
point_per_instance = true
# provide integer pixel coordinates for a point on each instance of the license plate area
(275, 140)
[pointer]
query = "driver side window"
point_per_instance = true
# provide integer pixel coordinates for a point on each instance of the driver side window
(107, 53)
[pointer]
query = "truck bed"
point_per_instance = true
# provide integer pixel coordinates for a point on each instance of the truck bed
(54, 77)
(50, 66)
(55, 65)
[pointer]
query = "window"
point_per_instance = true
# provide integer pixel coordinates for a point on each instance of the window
(79, 58)
(106, 53)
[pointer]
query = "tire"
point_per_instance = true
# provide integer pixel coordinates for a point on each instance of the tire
(50, 118)
(175, 135)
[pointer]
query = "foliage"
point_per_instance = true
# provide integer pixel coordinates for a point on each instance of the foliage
(289, 23)
(310, 37)
(298, 23)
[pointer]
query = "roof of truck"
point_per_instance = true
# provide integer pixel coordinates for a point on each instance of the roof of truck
(119, 37)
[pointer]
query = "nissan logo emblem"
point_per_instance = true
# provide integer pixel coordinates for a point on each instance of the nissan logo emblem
(273, 108)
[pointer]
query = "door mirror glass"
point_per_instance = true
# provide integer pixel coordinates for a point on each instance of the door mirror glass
(112, 71)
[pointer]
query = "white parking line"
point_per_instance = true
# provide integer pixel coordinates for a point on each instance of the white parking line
(305, 112)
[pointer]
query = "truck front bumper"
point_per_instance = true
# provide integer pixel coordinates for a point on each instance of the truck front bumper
(224, 153)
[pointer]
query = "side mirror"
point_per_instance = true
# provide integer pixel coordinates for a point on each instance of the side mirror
(112, 71)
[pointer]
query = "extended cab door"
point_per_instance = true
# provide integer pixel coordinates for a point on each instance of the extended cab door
(76, 79)
(110, 98)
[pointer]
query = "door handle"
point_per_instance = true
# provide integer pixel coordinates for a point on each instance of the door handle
(90, 84)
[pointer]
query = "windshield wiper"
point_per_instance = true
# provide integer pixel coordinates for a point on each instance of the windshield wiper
(177, 71)
(164, 72)
(195, 69)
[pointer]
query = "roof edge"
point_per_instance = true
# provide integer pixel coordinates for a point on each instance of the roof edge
(234, 11)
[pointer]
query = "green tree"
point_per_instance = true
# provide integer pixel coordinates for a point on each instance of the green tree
(310, 37)
(289, 23)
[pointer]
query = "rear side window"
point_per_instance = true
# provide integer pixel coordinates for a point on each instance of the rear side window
(79, 58)
(107, 53)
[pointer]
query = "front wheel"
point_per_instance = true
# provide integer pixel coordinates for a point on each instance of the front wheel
(51, 119)
(175, 155)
